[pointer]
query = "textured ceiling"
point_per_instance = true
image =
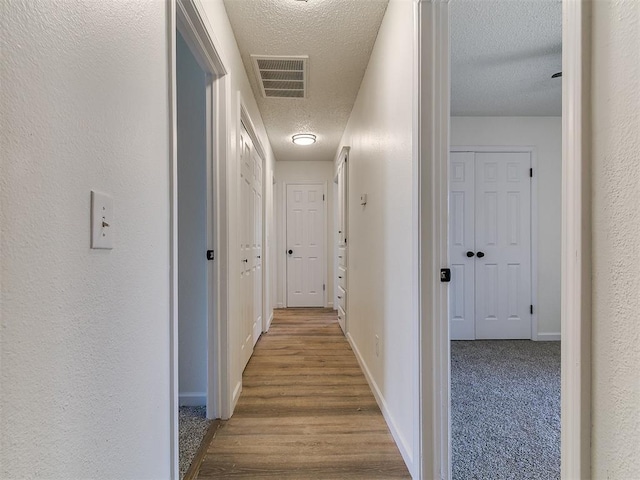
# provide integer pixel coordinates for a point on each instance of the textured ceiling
(503, 53)
(338, 37)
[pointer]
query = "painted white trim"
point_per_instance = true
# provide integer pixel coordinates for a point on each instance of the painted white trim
(433, 161)
(576, 242)
(193, 399)
(548, 337)
(401, 442)
(270, 321)
(283, 198)
(174, 401)
(533, 156)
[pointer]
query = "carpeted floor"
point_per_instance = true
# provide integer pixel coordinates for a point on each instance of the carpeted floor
(505, 409)
(192, 426)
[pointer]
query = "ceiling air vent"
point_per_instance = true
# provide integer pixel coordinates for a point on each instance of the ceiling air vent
(281, 77)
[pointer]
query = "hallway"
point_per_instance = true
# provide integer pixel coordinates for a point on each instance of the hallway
(305, 411)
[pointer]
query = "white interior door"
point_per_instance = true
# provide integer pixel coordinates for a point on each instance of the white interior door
(462, 241)
(503, 245)
(257, 248)
(305, 245)
(247, 240)
(490, 245)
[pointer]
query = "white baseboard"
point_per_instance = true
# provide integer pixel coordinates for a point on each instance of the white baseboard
(280, 305)
(192, 399)
(269, 321)
(330, 305)
(548, 337)
(395, 433)
(236, 396)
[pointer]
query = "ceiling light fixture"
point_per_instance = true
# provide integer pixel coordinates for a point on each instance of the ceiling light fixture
(304, 139)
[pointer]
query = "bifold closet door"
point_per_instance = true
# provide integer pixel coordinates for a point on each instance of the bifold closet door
(490, 245)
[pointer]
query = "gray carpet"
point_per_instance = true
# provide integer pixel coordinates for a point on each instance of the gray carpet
(192, 427)
(505, 410)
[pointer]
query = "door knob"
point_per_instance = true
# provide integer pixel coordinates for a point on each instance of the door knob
(480, 254)
(470, 254)
(290, 252)
(246, 260)
(258, 256)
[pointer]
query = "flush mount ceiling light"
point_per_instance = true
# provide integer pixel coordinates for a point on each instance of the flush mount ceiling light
(304, 139)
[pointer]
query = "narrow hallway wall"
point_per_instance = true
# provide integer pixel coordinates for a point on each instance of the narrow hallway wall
(381, 282)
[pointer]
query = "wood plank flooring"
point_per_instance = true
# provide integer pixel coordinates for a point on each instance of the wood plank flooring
(306, 410)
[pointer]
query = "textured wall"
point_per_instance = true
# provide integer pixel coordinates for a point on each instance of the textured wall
(544, 133)
(381, 302)
(84, 342)
(616, 239)
(302, 172)
(192, 223)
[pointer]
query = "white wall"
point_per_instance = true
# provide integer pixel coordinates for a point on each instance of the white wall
(302, 172)
(192, 223)
(615, 143)
(238, 82)
(381, 261)
(545, 134)
(84, 348)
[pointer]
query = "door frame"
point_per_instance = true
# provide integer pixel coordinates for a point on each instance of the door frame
(184, 16)
(431, 129)
(284, 237)
(532, 151)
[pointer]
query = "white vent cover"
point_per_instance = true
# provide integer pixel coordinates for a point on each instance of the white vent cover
(281, 77)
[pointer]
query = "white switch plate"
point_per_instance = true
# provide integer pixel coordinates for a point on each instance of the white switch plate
(101, 220)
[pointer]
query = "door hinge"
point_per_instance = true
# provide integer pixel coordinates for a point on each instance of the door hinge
(345, 240)
(211, 255)
(531, 309)
(531, 172)
(323, 287)
(323, 197)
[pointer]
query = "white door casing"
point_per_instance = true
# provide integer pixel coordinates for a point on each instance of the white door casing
(305, 237)
(490, 245)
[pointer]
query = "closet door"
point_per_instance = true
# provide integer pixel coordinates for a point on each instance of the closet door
(462, 246)
(503, 245)
(246, 231)
(490, 245)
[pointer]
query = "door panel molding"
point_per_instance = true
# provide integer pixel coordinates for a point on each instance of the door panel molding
(323, 234)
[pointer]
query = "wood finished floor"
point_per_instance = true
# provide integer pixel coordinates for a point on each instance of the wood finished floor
(306, 410)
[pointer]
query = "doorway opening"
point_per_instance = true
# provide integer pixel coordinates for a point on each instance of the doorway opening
(198, 83)
(572, 188)
(506, 153)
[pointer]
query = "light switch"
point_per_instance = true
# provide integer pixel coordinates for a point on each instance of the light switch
(101, 220)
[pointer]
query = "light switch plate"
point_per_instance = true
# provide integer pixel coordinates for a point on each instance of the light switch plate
(102, 228)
